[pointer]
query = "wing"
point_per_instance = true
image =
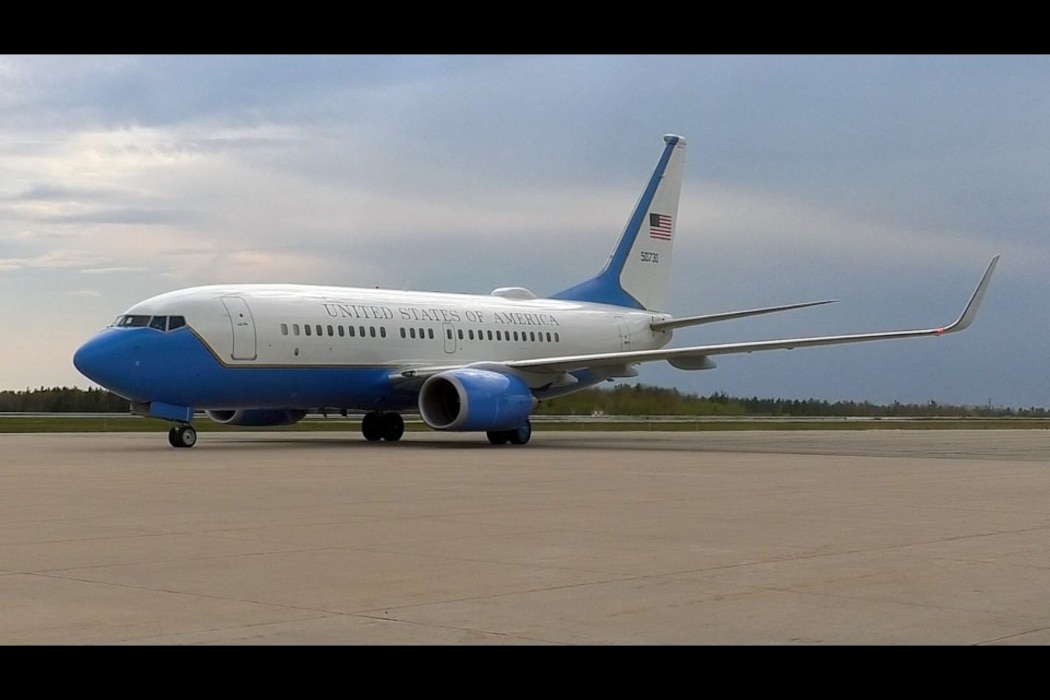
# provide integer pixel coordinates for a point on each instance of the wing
(696, 356)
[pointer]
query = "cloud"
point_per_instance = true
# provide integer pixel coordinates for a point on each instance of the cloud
(887, 181)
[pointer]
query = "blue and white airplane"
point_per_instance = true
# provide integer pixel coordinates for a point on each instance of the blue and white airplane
(267, 354)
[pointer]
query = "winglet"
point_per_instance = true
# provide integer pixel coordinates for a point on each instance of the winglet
(970, 312)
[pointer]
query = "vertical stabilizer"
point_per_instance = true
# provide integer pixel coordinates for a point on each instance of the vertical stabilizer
(637, 272)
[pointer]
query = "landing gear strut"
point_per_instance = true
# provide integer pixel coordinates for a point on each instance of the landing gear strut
(382, 425)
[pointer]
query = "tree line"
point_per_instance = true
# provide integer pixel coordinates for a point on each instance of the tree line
(62, 400)
(639, 399)
(621, 400)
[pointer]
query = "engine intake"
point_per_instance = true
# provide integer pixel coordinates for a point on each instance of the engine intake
(475, 399)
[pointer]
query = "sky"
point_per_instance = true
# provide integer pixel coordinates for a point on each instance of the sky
(886, 182)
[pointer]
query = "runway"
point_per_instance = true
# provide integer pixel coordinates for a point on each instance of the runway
(890, 537)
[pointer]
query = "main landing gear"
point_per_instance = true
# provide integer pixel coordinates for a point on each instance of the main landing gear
(182, 435)
(517, 436)
(382, 425)
(390, 426)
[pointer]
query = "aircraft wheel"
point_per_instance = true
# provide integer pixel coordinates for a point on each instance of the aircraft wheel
(498, 437)
(182, 436)
(371, 427)
(521, 434)
(393, 426)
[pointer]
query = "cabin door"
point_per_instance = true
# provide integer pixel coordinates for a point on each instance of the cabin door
(243, 327)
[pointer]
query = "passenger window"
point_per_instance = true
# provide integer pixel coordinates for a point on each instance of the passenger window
(411, 333)
(320, 331)
(331, 332)
(284, 329)
(350, 331)
(402, 332)
(382, 331)
(372, 331)
(295, 329)
(341, 332)
(430, 333)
(306, 327)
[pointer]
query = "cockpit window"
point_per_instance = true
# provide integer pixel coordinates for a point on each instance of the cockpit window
(132, 320)
(160, 323)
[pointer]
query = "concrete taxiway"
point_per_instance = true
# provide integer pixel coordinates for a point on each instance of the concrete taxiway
(886, 537)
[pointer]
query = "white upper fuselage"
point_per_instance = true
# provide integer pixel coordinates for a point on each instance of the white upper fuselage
(308, 325)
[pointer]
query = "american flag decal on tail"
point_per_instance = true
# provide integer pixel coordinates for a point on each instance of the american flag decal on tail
(660, 227)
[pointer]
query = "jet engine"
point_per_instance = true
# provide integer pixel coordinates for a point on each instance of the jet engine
(475, 399)
(257, 417)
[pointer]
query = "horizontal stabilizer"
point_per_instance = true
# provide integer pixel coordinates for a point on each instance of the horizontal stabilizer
(672, 323)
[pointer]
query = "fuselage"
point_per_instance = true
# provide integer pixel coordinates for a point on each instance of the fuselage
(305, 346)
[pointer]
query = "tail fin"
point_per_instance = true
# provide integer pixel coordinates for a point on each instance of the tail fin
(637, 272)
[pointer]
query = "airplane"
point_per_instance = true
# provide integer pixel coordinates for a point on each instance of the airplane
(268, 354)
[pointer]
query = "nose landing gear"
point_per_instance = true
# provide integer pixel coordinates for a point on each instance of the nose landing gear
(182, 435)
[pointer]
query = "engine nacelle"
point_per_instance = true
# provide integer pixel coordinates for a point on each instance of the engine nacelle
(475, 399)
(257, 417)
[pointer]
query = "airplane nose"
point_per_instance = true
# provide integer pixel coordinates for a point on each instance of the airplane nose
(100, 358)
(89, 359)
